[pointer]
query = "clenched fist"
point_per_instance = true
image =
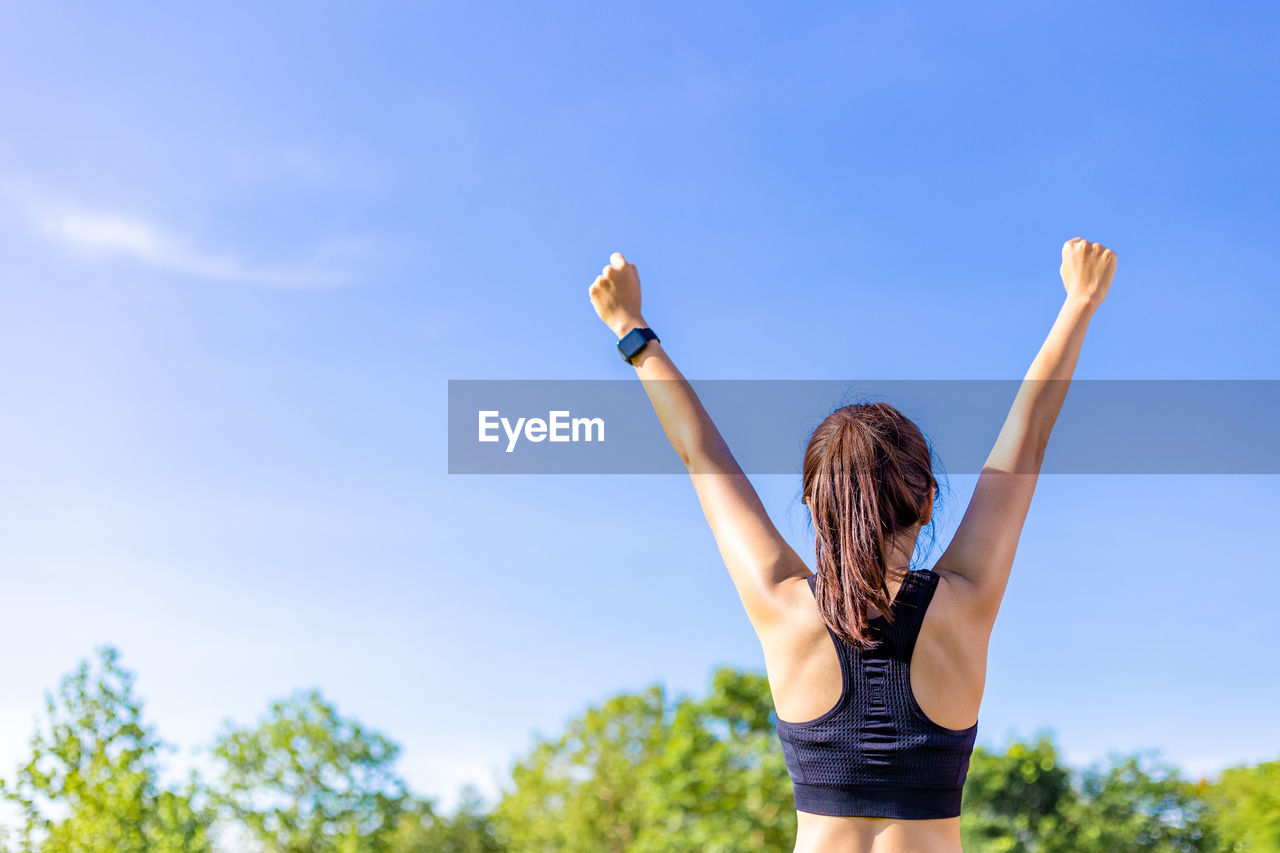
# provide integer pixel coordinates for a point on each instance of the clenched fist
(1087, 269)
(615, 294)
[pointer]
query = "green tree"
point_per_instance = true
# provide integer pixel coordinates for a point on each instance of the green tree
(468, 830)
(1245, 802)
(92, 781)
(640, 774)
(306, 780)
(1013, 799)
(1133, 804)
(1026, 800)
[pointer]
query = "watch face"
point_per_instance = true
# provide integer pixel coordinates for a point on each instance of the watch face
(634, 341)
(631, 342)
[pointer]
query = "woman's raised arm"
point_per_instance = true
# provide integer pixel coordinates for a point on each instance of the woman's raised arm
(980, 555)
(756, 555)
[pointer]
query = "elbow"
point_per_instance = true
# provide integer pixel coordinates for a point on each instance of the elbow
(1028, 459)
(1031, 460)
(695, 459)
(1022, 457)
(1033, 456)
(702, 457)
(1021, 446)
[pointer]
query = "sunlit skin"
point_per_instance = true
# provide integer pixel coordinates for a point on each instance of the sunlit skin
(948, 666)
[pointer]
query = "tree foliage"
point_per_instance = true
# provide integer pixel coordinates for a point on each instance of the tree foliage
(1246, 808)
(1026, 800)
(642, 774)
(306, 780)
(1131, 804)
(92, 781)
(1016, 798)
(639, 773)
(468, 830)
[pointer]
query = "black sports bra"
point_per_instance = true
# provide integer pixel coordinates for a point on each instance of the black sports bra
(876, 754)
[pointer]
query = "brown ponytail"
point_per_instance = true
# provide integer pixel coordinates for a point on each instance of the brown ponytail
(867, 478)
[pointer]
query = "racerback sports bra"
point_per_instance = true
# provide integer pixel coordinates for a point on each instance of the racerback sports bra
(876, 754)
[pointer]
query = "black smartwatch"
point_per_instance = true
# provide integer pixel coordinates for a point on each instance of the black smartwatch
(634, 341)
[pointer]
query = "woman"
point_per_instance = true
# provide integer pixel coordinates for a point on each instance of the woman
(876, 670)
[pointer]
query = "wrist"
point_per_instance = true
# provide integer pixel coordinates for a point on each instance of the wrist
(1082, 302)
(621, 327)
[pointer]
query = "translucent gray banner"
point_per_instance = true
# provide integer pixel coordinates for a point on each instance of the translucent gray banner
(1106, 426)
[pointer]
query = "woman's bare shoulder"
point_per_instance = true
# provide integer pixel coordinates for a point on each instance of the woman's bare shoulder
(956, 617)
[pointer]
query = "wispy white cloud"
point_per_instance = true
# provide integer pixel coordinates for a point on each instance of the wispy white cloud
(113, 233)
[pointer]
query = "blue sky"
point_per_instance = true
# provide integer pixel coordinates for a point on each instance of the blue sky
(244, 248)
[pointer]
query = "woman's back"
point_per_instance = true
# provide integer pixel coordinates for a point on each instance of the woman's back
(877, 741)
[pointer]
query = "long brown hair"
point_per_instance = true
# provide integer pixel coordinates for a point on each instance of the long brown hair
(867, 478)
